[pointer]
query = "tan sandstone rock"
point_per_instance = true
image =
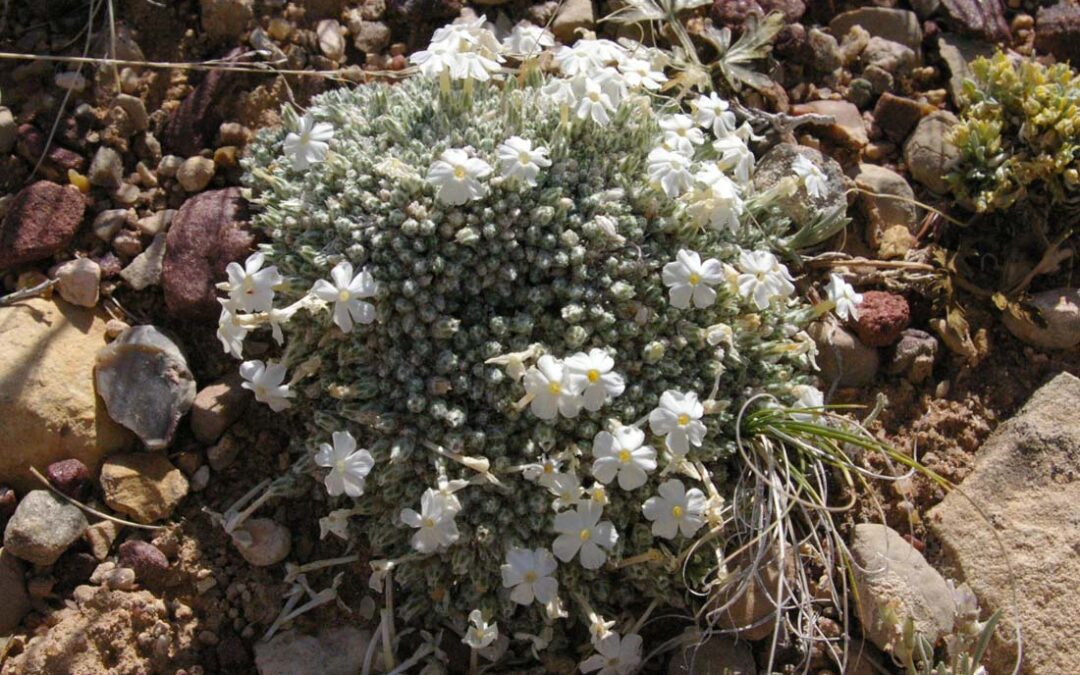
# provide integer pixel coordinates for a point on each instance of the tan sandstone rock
(143, 485)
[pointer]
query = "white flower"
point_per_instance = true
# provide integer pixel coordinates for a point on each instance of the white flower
(844, 296)
(735, 156)
(250, 287)
(678, 418)
(346, 294)
(567, 490)
(265, 379)
(581, 530)
(639, 73)
(812, 177)
(231, 332)
(599, 627)
(763, 278)
(457, 176)
(588, 56)
(590, 374)
(309, 144)
(481, 633)
(594, 103)
(518, 160)
(621, 453)
(559, 92)
(446, 490)
(550, 394)
(675, 510)
(435, 526)
(529, 574)
(527, 39)
(669, 171)
(543, 472)
(348, 466)
(712, 112)
(461, 50)
(691, 279)
(617, 656)
(680, 133)
(336, 523)
(807, 397)
(715, 201)
(434, 61)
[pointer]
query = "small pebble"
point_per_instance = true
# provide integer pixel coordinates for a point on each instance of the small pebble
(169, 165)
(71, 477)
(127, 244)
(79, 282)
(107, 169)
(120, 579)
(195, 173)
(200, 479)
(126, 195)
(114, 327)
(108, 223)
(78, 180)
(146, 560)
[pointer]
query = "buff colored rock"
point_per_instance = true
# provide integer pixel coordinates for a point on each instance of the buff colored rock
(144, 485)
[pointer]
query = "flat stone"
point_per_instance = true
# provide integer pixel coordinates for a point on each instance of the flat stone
(897, 116)
(40, 220)
(847, 129)
(1024, 560)
(108, 223)
(887, 200)
(978, 18)
(897, 25)
(194, 122)
(842, 357)
(145, 382)
(144, 485)
(43, 527)
(1058, 316)
(752, 613)
(216, 407)
(928, 153)
(145, 270)
(14, 600)
(957, 52)
(101, 536)
(79, 281)
(134, 110)
(333, 651)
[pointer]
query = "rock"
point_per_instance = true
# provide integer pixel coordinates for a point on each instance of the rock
(195, 121)
(127, 244)
(195, 173)
(205, 236)
(334, 651)
(9, 131)
(572, 16)
(107, 169)
(914, 355)
(718, 655)
(156, 223)
(216, 407)
(262, 542)
(226, 20)
(800, 206)
(8, 502)
(848, 128)
(149, 563)
(896, 241)
(892, 57)
(897, 25)
(40, 220)
(1024, 560)
(145, 383)
(71, 477)
(370, 37)
(78, 281)
(957, 52)
(893, 582)
(842, 357)
(43, 527)
(1056, 31)
(894, 206)
(169, 165)
(16, 601)
(1059, 312)
(331, 42)
(752, 614)
(983, 19)
(882, 317)
(145, 485)
(30, 144)
(145, 270)
(235, 134)
(200, 479)
(101, 536)
(928, 154)
(134, 112)
(896, 116)
(108, 223)
(48, 404)
(824, 51)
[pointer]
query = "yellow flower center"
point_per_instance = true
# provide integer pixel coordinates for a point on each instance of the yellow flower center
(624, 456)
(428, 522)
(260, 391)
(684, 419)
(677, 511)
(549, 467)
(555, 388)
(343, 296)
(593, 375)
(459, 172)
(530, 576)
(594, 96)
(695, 279)
(524, 158)
(585, 534)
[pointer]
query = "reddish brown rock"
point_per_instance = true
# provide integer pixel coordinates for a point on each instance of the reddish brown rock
(207, 234)
(984, 19)
(58, 160)
(195, 122)
(1057, 30)
(150, 564)
(41, 220)
(882, 318)
(69, 476)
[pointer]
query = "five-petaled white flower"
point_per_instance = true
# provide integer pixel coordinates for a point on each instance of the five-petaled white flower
(251, 288)
(461, 50)
(435, 526)
(735, 156)
(481, 633)
(581, 530)
(590, 375)
(231, 331)
(763, 278)
(551, 394)
(457, 176)
(712, 112)
(265, 380)
(675, 509)
(348, 466)
(669, 171)
(529, 574)
(681, 134)
(691, 279)
(715, 201)
(812, 177)
(678, 419)
(567, 490)
(528, 40)
(519, 160)
(542, 472)
(845, 298)
(616, 656)
(347, 293)
(807, 397)
(594, 103)
(640, 73)
(309, 144)
(622, 454)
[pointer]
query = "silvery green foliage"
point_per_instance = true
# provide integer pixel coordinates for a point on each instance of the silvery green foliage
(569, 265)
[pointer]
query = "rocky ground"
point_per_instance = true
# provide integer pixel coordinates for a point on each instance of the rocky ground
(119, 198)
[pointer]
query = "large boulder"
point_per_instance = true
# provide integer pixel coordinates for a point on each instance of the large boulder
(48, 406)
(1013, 534)
(41, 220)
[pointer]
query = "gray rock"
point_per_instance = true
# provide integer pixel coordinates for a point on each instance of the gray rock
(107, 169)
(825, 50)
(216, 407)
(331, 42)
(895, 206)
(897, 25)
(893, 583)
(108, 223)
(9, 131)
(145, 382)
(195, 173)
(156, 223)
(262, 542)
(78, 281)
(333, 651)
(572, 16)
(169, 165)
(914, 356)
(370, 37)
(957, 52)
(1014, 532)
(1059, 310)
(801, 207)
(718, 655)
(928, 154)
(145, 270)
(892, 57)
(844, 359)
(43, 527)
